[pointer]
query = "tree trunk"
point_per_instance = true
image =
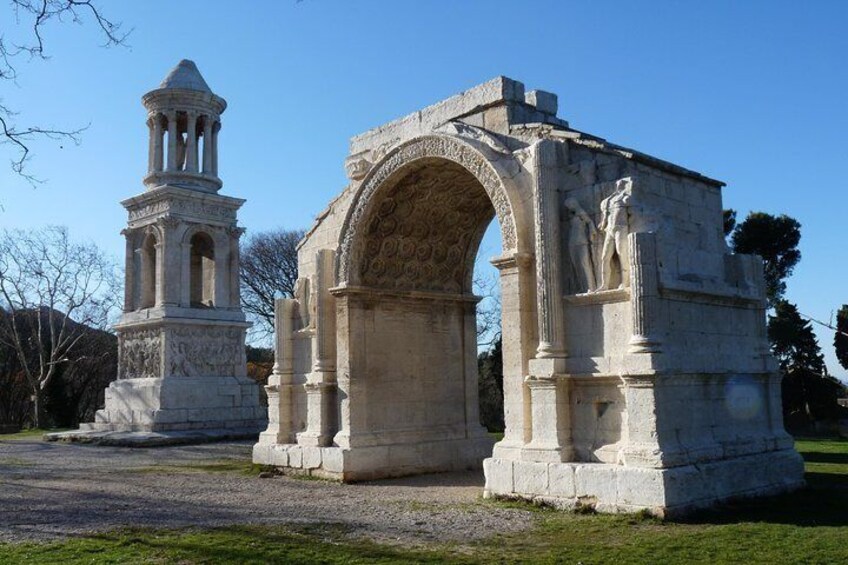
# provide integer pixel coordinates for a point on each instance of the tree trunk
(38, 409)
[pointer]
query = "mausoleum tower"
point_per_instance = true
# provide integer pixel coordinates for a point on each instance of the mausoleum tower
(184, 118)
(182, 333)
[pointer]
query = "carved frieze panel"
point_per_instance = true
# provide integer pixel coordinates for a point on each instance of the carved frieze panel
(205, 351)
(139, 354)
(182, 206)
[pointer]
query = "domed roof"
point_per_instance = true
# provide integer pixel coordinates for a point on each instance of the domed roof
(185, 76)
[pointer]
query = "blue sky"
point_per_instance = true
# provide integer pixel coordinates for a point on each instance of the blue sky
(752, 93)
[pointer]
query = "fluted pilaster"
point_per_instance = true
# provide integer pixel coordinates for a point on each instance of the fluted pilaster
(644, 293)
(548, 262)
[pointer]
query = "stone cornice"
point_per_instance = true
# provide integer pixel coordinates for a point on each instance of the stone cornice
(168, 200)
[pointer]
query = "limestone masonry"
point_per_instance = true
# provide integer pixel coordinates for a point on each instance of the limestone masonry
(637, 372)
(181, 339)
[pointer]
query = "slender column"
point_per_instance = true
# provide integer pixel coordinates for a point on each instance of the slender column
(215, 129)
(550, 411)
(129, 270)
(157, 143)
(279, 388)
(321, 382)
(235, 258)
(185, 273)
(644, 293)
(325, 331)
(222, 271)
(151, 151)
(548, 260)
(172, 139)
(191, 143)
(159, 283)
(207, 145)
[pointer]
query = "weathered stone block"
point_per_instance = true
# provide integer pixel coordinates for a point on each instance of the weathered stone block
(561, 481)
(311, 457)
(530, 478)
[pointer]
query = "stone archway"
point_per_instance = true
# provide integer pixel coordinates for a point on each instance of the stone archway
(414, 154)
(408, 395)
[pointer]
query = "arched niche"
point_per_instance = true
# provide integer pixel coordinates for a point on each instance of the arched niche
(148, 267)
(405, 306)
(202, 270)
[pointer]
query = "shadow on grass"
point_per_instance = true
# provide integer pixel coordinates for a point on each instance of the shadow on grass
(823, 502)
(817, 457)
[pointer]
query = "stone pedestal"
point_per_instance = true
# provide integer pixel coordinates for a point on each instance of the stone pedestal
(177, 376)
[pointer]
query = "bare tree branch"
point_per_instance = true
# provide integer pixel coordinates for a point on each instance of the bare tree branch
(268, 270)
(488, 309)
(36, 15)
(52, 293)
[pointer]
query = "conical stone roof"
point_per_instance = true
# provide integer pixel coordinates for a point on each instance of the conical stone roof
(185, 76)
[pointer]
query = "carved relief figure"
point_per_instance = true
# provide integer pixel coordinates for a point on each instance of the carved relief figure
(180, 365)
(581, 234)
(139, 353)
(204, 351)
(615, 223)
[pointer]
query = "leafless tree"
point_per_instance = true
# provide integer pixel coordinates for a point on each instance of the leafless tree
(52, 291)
(268, 271)
(486, 285)
(35, 16)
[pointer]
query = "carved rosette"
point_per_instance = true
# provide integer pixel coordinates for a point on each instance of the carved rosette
(424, 231)
(433, 146)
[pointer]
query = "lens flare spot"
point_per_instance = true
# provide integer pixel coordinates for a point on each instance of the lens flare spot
(743, 398)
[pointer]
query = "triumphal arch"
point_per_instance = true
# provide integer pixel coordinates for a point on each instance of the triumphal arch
(637, 372)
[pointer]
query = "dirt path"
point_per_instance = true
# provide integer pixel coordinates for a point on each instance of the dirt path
(50, 490)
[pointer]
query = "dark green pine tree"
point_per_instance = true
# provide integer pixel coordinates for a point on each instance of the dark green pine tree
(840, 340)
(775, 239)
(793, 341)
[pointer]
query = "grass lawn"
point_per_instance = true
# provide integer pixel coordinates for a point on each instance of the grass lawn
(29, 434)
(810, 526)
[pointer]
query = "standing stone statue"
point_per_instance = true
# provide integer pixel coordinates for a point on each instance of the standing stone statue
(615, 223)
(581, 232)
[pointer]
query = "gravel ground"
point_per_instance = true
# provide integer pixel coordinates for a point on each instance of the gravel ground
(55, 490)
